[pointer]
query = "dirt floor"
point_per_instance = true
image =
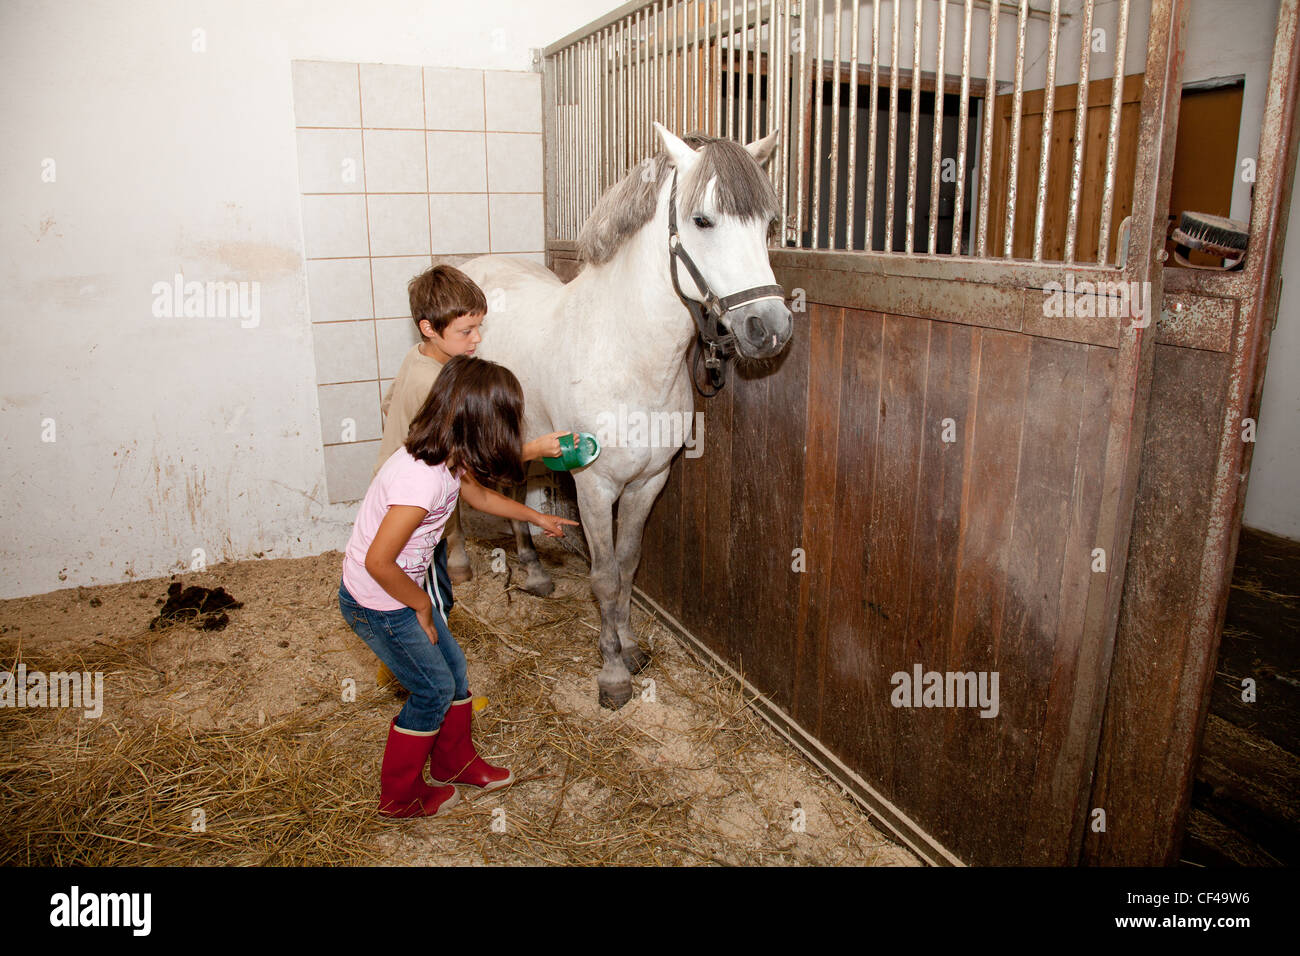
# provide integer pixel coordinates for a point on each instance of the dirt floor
(236, 746)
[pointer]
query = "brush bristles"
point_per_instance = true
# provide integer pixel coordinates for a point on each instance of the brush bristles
(1212, 234)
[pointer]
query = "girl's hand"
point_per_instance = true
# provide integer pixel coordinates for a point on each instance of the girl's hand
(548, 446)
(552, 525)
(425, 616)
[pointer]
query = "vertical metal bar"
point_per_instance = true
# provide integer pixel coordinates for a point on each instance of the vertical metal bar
(673, 124)
(835, 130)
(744, 71)
(695, 67)
(773, 73)
(892, 158)
(684, 86)
(962, 115)
(1013, 180)
(784, 102)
(853, 128)
(1080, 132)
(1049, 105)
(816, 150)
(706, 61)
(731, 69)
(564, 130)
(757, 98)
(936, 144)
(914, 125)
(801, 91)
(986, 164)
(1112, 144)
(869, 213)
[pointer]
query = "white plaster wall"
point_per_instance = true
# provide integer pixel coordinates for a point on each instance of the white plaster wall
(177, 434)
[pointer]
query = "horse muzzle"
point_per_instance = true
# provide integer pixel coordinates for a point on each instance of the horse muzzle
(762, 328)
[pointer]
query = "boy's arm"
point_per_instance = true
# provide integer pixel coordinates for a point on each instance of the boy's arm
(490, 502)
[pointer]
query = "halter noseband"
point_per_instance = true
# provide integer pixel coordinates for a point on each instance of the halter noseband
(708, 314)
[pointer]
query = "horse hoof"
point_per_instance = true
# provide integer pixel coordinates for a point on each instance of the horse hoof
(460, 575)
(541, 585)
(616, 698)
(636, 660)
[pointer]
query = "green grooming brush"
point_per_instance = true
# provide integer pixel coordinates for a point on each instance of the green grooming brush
(574, 454)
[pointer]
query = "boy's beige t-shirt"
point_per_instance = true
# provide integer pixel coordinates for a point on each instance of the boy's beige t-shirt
(403, 399)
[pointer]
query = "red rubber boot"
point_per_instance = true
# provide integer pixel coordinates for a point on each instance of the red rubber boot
(454, 759)
(402, 790)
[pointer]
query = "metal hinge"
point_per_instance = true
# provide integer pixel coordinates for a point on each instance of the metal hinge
(537, 59)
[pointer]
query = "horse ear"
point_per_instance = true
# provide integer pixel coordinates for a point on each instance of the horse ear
(762, 149)
(683, 156)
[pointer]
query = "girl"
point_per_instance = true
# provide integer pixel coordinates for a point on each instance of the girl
(466, 434)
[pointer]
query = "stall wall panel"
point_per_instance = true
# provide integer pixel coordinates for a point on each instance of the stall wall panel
(943, 481)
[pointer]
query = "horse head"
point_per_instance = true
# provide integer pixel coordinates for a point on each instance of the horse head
(722, 207)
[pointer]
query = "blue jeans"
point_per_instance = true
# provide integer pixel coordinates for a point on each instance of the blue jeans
(435, 674)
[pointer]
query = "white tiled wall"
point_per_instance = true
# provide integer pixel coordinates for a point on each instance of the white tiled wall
(400, 166)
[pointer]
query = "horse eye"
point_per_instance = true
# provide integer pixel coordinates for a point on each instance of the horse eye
(703, 222)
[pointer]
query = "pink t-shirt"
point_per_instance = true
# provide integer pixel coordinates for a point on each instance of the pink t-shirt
(403, 480)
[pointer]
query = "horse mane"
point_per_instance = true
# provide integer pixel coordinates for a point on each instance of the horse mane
(743, 190)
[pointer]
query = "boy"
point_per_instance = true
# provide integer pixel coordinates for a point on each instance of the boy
(447, 308)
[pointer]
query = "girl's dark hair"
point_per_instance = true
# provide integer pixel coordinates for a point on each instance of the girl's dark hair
(472, 419)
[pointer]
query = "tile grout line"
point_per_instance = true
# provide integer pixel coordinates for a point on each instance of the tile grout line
(487, 176)
(370, 259)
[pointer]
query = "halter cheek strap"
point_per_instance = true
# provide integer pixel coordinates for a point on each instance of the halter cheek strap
(708, 314)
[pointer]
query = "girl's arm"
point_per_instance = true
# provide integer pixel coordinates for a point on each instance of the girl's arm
(381, 563)
(490, 502)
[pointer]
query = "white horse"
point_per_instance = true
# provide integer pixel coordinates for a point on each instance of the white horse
(615, 341)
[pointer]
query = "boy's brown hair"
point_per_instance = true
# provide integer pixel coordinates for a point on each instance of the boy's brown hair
(472, 419)
(443, 294)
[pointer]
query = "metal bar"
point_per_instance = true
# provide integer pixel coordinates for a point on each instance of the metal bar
(716, 66)
(773, 77)
(1049, 105)
(661, 64)
(706, 60)
(891, 160)
(986, 164)
(835, 130)
(936, 146)
(802, 153)
(1013, 181)
(675, 120)
(695, 67)
(684, 64)
(1080, 131)
(756, 98)
(853, 127)
(963, 108)
(816, 150)
(1112, 143)
(731, 69)
(914, 125)
(869, 214)
(783, 103)
(744, 70)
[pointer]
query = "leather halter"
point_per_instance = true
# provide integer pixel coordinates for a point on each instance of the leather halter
(708, 314)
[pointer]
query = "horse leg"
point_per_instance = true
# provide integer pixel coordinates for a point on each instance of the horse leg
(596, 507)
(538, 581)
(458, 567)
(633, 509)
